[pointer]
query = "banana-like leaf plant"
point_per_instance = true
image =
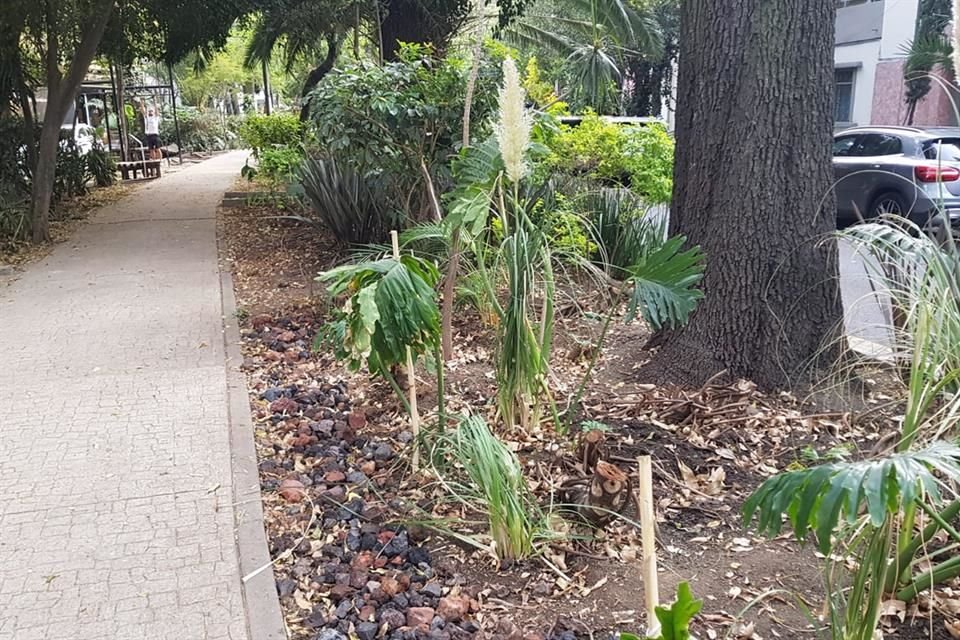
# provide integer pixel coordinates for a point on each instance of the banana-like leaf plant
(390, 305)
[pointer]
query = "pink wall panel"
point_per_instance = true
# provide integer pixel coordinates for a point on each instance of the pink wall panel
(888, 104)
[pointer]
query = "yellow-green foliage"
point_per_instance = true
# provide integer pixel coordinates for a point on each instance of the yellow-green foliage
(541, 92)
(639, 157)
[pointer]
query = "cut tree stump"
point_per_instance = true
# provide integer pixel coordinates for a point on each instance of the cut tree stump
(601, 497)
(590, 450)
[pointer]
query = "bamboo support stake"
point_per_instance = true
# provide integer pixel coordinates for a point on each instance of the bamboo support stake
(648, 539)
(411, 380)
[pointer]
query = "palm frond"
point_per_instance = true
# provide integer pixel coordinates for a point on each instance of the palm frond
(524, 33)
(924, 54)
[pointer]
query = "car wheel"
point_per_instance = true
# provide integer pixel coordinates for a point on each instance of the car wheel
(887, 204)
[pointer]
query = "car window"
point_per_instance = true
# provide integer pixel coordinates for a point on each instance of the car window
(877, 144)
(843, 145)
(947, 149)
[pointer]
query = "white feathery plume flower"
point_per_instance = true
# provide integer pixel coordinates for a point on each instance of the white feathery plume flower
(513, 130)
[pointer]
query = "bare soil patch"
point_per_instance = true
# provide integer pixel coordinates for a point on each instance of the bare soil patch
(342, 505)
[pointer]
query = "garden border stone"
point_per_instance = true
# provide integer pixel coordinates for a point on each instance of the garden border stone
(261, 602)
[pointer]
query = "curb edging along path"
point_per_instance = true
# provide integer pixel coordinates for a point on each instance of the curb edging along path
(262, 605)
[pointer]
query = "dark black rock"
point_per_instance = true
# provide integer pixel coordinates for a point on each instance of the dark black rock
(357, 478)
(344, 608)
(316, 619)
(470, 626)
(368, 542)
(353, 541)
(398, 545)
(350, 510)
(432, 589)
(416, 600)
(401, 600)
(383, 452)
(417, 555)
(330, 634)
(286, 587)
(367, 630)
(392, 618)
(271, 394)
(333, 551)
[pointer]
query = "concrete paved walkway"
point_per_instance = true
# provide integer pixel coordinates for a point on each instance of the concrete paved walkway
(116, 515)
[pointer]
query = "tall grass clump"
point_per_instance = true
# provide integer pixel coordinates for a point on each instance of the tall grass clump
(497, 486)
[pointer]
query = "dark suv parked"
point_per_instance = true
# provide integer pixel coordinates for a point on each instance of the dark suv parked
(907, 171)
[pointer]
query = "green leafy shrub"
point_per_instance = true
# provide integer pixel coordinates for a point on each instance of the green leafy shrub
(674, 620)
(14, 220)
(72, 172)
(14, 177)
(389, 119)
(201, 130)
(648, 159)
(621, 228)
(639, 157)
(101, 166)
(260, 132)
(496, 479)
(280, 164)
(593, 148)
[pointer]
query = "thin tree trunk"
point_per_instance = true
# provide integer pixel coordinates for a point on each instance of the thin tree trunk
(61, 90)
(29, 127)
(317, 74)
(752, 187)
(453, 268)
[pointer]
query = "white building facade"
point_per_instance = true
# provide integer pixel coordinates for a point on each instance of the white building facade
(869, 55)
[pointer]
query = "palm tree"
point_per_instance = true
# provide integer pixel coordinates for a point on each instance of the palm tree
(301, 29)
(594, 37)
(930, 47)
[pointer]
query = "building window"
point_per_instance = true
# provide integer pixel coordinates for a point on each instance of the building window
(843, 109)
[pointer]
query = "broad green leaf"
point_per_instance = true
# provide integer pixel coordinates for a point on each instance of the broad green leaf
(675, 619)
(367, 307)
(664, 284)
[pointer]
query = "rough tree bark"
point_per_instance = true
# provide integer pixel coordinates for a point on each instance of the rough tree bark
(417, 21)
(752, 187)
(61, 91)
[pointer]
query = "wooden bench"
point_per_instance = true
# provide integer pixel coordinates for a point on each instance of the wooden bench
(147, 168)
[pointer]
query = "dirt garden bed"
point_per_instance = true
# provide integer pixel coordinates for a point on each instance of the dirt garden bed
(346, 516)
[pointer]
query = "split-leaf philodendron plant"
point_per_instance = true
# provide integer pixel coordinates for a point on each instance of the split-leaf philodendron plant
(884, 512)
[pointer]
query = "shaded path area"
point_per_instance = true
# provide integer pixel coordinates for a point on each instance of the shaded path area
(117, 515)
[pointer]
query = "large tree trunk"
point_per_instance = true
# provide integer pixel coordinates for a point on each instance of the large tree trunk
(420, 21)
(61, 90)
(753, 188)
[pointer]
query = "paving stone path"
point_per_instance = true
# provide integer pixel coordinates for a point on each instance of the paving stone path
(116, 515)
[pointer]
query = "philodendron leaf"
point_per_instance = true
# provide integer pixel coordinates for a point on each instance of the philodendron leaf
(675, 619)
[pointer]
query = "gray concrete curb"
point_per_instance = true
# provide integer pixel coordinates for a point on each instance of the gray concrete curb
(262, 606)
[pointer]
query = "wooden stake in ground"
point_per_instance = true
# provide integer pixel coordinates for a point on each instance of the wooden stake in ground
(651, 590)
(411, 380)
